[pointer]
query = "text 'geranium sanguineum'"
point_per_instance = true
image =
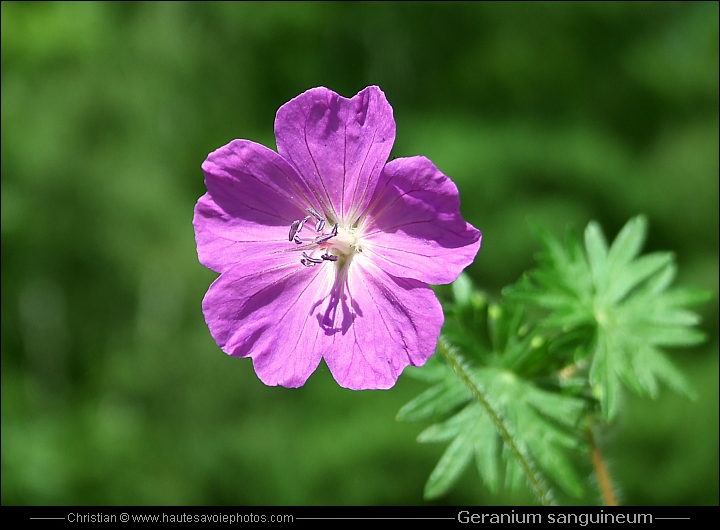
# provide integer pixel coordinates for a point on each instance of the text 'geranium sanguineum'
(325, 249)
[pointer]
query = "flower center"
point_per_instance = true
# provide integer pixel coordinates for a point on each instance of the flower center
(337, 244)
(345, 243)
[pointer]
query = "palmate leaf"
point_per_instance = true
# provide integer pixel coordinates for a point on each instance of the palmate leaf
(473, 435)
(517, 400)
(540, 423)
(436, 402)
(492, 411)
(625, 299)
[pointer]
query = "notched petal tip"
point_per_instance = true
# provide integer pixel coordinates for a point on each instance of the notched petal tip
(338, 145)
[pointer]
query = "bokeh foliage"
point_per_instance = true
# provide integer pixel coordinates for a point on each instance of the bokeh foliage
(113, 391)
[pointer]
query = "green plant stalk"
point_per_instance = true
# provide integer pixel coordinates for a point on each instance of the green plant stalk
(535, 480)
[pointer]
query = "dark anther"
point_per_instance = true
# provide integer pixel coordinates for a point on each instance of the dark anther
(315, 214)
(302, 222)
(323, 239)
(312, 260)
(294, 236)
(293, 229)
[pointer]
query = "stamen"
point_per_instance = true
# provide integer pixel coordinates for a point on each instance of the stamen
(314, 214)
(302, 222)
(294, 236)
(312, 260)
(293, 229)
(328, 237)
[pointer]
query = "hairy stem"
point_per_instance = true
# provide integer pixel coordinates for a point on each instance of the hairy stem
(601, 471)
(537, 484)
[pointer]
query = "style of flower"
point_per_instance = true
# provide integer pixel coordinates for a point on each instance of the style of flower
(325, 250)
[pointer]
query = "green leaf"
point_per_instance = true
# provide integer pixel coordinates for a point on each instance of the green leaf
(450, 428)
(450, 467)
(542, 425)
(514, 473)
(553, 248)
(569, 318)
(628, 242)
(597, 252)
(559, 407)
(621, 301)
(661, 281)
(673, 337)
(432, 371)
(627, 278)
(650, 366)
(487, 445)
(516, 400)
(603, 379)
(462, 289)
(665, 371)
(686, 296)
(434, 403)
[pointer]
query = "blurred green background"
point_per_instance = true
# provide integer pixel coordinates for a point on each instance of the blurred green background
(113, 391)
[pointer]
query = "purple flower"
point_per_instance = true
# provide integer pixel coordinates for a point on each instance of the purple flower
(325, 249)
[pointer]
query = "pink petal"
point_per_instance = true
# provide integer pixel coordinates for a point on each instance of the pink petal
(415, 229)
(268, 314)
(338, 145)
(377, 325)
(253, 197)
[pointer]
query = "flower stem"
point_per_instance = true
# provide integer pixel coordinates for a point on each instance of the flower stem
(601, 470)
(537, 484)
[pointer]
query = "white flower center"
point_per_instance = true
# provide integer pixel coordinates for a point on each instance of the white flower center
(345, 243)
(338, 244)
